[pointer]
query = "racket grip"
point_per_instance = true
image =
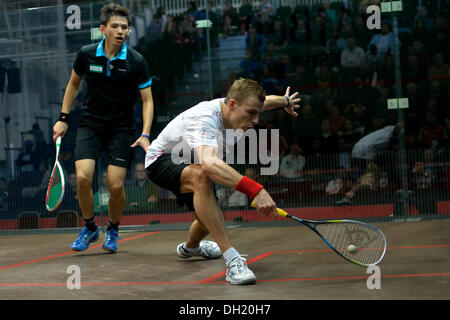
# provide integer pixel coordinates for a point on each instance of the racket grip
(280, 212)
(58, 141)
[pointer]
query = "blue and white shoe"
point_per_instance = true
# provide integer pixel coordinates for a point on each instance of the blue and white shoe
(84, 238)
(111, 239)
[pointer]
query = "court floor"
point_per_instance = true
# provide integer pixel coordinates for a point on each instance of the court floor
(290, 263)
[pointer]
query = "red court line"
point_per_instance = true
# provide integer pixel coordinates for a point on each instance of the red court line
(215, 282)
(69, 252)
(264, 255)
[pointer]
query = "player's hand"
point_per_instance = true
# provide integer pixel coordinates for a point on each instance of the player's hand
(294, 103)
(142, 142)
(59, 130)
(264, 204)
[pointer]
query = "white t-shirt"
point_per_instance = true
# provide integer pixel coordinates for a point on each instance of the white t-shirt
(201, 125)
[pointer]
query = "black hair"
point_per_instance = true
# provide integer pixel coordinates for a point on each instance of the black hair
(111, 10)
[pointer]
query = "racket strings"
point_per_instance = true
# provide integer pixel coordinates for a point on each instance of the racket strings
(369, 243)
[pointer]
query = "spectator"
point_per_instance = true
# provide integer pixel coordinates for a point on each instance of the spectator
(336, 121)
(413, 71)
(291, 165)
(374, 57)
(344, 155)
(384, 41)
(4, 198)
(438, 69)
(329, 140)
(423, 57)
(249, 66)
(432, 134)
(352, 56)
(299, 34)
(425, 180)
(255, 41)
(143, 194)
(335, 186)
(28, 160)
(38, 136)
(278, 35)
(306, 126)
(302, 80)
(367, 182)
(230, 19)
(70, 201)
(245, 16)
(349, 134)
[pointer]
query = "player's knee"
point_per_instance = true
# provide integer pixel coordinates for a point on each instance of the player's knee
(116, 189)
(84, 183)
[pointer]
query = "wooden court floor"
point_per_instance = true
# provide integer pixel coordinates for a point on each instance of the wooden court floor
(290, 263)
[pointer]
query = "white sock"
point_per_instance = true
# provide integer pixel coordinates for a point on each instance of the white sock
(191, 250)
(230, 255)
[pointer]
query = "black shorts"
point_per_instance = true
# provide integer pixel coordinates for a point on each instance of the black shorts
(116, 143)
(166, 174)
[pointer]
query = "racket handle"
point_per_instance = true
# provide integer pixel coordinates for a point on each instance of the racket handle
(280, 212)
(58, 141)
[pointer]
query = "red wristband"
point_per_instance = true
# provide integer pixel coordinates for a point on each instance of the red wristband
(249, 187)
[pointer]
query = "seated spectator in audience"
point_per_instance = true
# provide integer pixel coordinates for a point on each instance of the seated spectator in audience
(306, 126)
(278, 35)
(70, 201)
(28, 160)
(336, 121)
(432, 134)
(291, 165)
(425, 179)
(413, 71)
(335, 186)
(43, 177)
(101, 197)
(245, 15)
(367, 182)
(384, 41)
(329, 140)
(425, 172)
(438, 69)
(302, 80)
(344, 155)
(288, 68)
(255, 41)
(230, 18)
(374, 57)
(142, 194)
(349, 133)
(423, 57)
(423, 17)
(249, 66)
(352, 56)
(4, 198)
(299, 35)
(38, 136)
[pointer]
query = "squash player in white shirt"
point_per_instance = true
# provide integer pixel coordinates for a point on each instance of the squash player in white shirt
(198, 132)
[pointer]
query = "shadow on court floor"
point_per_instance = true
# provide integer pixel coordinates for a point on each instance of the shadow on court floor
(291, 263)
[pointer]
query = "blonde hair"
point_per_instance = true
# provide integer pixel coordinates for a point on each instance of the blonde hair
(244, 88)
